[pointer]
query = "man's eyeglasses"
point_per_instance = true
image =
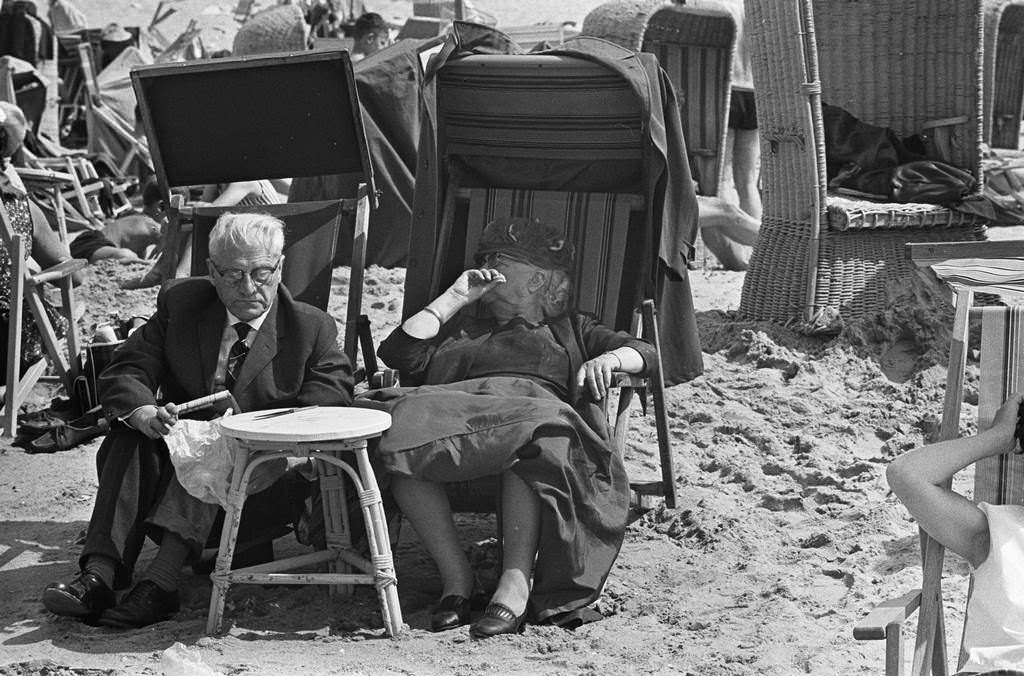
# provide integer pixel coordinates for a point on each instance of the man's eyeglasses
(259, 276)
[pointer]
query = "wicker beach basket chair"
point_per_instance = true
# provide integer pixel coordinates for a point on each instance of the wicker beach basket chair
(695, 44)
(914, 66)
(1004, 76)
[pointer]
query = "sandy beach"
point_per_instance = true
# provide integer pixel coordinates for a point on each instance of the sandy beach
(785, 536)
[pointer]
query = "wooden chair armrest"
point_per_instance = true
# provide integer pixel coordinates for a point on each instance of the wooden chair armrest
(924, 254)
(44, 176)
(628, 380)
(59, 271)
(894, 611)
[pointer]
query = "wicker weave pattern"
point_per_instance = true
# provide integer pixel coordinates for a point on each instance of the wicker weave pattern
(897, 64)
(855, 271)
(845, 213)
(1004, 85)
(695, 46)
(903, 64)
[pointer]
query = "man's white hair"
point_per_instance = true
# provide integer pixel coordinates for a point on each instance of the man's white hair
(244, 230)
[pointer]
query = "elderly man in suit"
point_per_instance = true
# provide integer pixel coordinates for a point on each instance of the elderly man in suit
(239, 330)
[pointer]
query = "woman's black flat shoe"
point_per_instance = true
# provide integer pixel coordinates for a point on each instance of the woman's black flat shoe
(497, 619)
(451, 612)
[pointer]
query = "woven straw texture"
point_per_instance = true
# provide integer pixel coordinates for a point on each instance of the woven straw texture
(1004, 84)
(696, 47)
(900, 65)
(276, 29)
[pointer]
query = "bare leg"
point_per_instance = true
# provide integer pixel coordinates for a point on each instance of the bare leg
(746, 159)
(521, 531)
(426, 506)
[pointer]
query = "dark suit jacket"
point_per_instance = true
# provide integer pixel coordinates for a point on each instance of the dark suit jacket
(294, 358)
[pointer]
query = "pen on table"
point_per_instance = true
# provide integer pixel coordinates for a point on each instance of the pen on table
(286, 411)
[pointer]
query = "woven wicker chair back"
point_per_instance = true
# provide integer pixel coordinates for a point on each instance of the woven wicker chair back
(905, 64)
(879, 61)
(696, 47)
(1004, 85)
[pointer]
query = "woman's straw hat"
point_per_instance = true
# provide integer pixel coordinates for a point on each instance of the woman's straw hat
(276, 29)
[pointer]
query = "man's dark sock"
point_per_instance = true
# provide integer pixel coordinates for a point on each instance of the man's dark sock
(102, 567)
(165, 570)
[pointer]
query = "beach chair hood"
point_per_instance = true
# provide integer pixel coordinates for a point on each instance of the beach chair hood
(663, 179)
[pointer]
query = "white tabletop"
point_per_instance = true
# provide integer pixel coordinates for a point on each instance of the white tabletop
(322, 423)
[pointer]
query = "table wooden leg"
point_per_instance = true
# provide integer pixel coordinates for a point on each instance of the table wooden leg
(386, 581)
(221, 576)
(337, 531)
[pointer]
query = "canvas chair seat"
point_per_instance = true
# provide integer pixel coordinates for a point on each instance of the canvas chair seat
(997, 270)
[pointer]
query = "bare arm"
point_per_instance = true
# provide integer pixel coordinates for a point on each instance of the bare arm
(468, 288)
(47, 249)
(919, 479)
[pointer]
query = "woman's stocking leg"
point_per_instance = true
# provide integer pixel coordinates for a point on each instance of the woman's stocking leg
(425, 505)
(520, 533)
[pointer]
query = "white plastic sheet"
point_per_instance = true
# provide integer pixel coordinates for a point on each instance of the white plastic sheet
(204, 459)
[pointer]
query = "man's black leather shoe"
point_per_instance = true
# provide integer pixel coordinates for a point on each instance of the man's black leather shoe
(451, 612)
(85, 596)
(145, 604)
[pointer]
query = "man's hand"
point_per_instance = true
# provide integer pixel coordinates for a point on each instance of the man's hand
(154, 421)
(597, 374)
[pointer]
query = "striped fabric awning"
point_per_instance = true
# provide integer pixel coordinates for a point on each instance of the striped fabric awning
(1000, 479)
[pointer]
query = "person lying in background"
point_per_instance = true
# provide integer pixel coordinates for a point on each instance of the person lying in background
(990, 537)
(130, 238)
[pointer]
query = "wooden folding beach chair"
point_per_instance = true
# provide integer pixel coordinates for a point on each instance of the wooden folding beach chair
(203, 127)
(970, 268)
(102, 121)
(561, 138)
(917, 67)
(27, 290)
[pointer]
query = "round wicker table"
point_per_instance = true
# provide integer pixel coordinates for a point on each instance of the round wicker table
(331, 436)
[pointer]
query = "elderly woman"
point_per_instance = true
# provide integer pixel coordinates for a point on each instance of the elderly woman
(511, 389)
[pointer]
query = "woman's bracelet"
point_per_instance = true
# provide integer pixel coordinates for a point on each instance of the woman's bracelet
(437, 315)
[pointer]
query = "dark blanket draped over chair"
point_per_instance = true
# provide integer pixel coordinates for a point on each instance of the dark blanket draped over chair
(388, 84)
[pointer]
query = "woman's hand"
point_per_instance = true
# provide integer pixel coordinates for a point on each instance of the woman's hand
(1005, 421)
(596, 373)
(475, 282)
